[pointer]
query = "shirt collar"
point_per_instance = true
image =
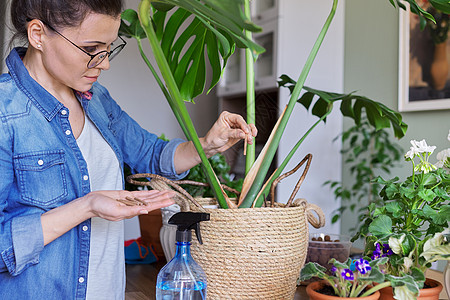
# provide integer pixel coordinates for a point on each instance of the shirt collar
(44, 101)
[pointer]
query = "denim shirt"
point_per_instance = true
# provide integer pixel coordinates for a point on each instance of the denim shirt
(41, 167)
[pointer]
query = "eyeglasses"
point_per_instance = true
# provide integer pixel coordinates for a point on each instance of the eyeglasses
(98, 57)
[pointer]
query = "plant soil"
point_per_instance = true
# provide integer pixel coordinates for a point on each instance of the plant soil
(329, 291)
(326, 290)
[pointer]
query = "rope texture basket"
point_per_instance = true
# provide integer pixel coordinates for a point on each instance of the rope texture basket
(248, 253)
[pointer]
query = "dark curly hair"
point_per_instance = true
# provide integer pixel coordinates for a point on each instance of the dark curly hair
(58, 13)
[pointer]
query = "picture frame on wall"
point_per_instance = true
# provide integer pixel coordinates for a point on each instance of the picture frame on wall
(424, 62)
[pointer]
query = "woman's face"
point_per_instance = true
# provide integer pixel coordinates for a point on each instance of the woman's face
(66, 64)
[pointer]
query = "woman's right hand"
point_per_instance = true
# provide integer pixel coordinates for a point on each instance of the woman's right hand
(104, 204)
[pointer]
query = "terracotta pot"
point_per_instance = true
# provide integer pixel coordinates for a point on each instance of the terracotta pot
(312, 289)
(424, 294)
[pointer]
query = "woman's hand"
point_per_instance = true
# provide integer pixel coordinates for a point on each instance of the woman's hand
(110, 205)
(101, 204)
(227, 131)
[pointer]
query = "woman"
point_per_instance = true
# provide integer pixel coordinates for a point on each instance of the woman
(63, 142)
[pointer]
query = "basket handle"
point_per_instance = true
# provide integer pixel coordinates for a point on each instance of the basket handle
(307, 158)
(183, 193)
(174, 184)
(316, 222)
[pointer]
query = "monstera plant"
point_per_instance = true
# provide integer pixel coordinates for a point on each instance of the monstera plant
(184, 34)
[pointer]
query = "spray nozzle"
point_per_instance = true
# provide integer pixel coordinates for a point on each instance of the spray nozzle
(186, 221)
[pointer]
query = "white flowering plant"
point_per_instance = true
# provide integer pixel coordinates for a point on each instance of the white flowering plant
(411, 225)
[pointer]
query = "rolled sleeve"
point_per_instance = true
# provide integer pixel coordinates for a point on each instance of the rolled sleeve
(166, 160)
(28, 243)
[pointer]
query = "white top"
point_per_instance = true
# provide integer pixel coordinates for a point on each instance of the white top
(106, 275)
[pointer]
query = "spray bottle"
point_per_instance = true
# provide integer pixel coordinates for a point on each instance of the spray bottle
(182, 278)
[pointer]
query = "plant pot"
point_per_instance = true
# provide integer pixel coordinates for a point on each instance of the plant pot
(322, 249)
(253, 252)
(150, 226)
(313, 287)
(431, 293)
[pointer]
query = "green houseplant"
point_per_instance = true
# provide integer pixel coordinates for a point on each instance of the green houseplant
(410, 226)
(183, 35)
(219, 27)
(367, 152)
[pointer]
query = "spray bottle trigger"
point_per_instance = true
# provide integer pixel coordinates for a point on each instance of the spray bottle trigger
(197, 233)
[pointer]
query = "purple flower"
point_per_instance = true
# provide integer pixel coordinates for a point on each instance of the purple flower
(377, 252)
(363, 266)
(387, 250)
(347, 274)
(333, 270)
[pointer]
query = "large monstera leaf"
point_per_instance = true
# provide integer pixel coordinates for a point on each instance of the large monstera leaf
(192, 32)
(378, 115)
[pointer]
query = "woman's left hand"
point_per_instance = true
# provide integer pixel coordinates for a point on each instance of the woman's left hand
(227, 131)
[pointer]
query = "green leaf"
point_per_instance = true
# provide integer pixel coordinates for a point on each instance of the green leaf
(442, 5)
(406, 280)
(408, 244)
(130, 25)
(311, 270)
(161, 6)
(379, 115)
(438, 217)
(375, 276)
(381, 226)
(192, 28)
(393, 207)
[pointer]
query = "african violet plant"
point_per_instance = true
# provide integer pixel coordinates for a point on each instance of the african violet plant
(179, 31)
(352, 278)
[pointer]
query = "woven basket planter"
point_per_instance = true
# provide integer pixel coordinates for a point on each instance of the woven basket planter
(249, 253)
(253, 253)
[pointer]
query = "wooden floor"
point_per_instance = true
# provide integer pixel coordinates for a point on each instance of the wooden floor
(141, 282)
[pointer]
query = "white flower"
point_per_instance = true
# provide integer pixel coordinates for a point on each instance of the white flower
(443, 158)
(407, 263)
(411, 153)
(403, 293)
(422, 146)
(396, 244)
(433, 245)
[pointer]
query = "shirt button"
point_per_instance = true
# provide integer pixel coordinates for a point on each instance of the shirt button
(40, 162)
(64, 112)
(68, 132)
(81, 279)
(85, 228)
(85, 177)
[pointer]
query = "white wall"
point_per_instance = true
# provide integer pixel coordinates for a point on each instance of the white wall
(299, 25)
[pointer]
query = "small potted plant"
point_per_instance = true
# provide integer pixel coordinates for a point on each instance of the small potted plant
(410, 226)
(350, 279)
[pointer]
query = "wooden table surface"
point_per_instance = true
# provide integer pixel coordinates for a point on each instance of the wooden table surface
(141, 282)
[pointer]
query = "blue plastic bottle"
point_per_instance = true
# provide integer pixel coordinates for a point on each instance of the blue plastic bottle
(182, 278)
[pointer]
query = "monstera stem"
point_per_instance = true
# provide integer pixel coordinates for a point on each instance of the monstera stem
(176, 102)
(259, 180)
(250, 86)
